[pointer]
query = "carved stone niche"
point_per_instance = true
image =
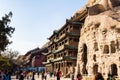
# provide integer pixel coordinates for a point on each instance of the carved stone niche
(94, 57)
(118, 30)
(106, 49)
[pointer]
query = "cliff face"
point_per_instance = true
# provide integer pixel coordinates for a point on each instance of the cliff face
(105, 3)
(108, 20)
(99, 45)
(98, 6)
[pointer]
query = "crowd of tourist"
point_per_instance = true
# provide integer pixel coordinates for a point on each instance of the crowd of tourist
(99, 76)
(5, 75)
(30, 75)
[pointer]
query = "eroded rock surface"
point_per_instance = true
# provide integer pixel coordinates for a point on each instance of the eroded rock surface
(98, 6)
(99, 45)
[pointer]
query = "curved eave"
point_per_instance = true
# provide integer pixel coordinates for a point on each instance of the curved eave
(73, 34)
(58, 51)
(69, 58)
(48, 53)
(58, 59)
(68, 34)
(46, 63)
(63, 58)
(82, 15)
(70, 47)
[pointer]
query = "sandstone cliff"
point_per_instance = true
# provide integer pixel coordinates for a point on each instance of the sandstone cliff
(107, 20)
(106, 3)
(99, 43)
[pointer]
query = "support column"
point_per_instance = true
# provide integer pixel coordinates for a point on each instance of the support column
(65, 67)
(52, 67)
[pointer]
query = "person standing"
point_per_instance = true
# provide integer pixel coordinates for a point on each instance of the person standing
(111, 77)
(33, 76)
(42, 75)
(17, 74)
(38, 74)
(58, 74)
(21, 75)
(1, 75)
(71, 75)
(7, 75)
(98, 76)
(45, 76)
(79, 76)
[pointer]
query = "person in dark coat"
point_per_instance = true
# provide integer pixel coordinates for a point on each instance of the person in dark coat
(21, 75)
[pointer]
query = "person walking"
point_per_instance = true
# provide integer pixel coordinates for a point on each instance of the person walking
(45, 75)
(58, 74)
(17, 74)
(7, 75)
(33, 76)
(111, 77)
(42, 75)
(79, 76)
(38, 74)
(98, 76)
(30, 74)
(1, 75)
(72, 76)
(21, 75)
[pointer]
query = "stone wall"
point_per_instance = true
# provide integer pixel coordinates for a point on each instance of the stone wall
(99, 45)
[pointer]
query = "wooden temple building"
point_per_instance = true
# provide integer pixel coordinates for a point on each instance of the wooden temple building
(63, 45)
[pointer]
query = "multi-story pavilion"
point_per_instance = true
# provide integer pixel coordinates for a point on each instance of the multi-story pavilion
(63, 47)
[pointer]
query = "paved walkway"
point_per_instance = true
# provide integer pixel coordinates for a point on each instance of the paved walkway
(36, 78)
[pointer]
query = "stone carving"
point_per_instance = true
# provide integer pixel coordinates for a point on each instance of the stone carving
(99, 45)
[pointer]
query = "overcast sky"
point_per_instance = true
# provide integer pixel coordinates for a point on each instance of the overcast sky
(35, 20)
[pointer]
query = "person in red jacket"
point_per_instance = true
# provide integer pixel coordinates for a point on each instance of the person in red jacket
(58, 74)
(79, 76)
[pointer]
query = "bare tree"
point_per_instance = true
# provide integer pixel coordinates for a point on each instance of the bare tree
(9, 53)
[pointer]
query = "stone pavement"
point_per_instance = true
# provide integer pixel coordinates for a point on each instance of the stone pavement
(48, 78)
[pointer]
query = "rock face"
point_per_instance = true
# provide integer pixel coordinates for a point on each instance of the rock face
(105, 3)
(99, 45)
(98, 6)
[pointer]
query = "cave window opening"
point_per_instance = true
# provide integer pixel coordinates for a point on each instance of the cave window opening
(112, 45)
(106, 49)
(84, 59)
(96, 46)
